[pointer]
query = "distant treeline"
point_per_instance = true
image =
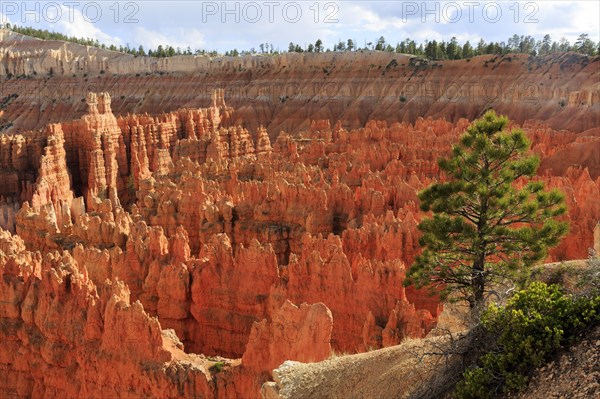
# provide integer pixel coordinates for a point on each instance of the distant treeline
(453, 50)
(433, 50)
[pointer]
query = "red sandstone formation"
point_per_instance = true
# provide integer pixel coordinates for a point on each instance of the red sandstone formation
(59, 329)
(200, 234)
(55, 318)
(291, 331)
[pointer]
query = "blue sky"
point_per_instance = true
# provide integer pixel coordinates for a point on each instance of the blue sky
(224, 25)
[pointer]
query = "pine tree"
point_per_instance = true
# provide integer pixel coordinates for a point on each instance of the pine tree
(481, 46)
(350, 45)
(484, 229)
(431, 50)
(546, 45)
(318, 46)
(412, 47)
(564, 45)
(404, 47)
(453, 50)
(585, 45)
(467, 50)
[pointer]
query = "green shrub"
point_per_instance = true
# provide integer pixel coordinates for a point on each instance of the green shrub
(131, 186)
(523, 335)
(217, 367)
(102, 192)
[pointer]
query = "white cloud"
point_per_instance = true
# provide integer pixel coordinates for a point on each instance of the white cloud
(182, 23)
(79, 27)
(181, 37)
(569, 19)
(434, 21)
(359, 19)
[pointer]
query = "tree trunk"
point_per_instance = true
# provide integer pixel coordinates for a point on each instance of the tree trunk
(477, 277)
(477, 281)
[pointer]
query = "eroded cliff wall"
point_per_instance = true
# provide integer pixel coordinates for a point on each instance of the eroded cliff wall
(286, 92)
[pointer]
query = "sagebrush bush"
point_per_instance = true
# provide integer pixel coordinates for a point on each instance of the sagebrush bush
(522, 335)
